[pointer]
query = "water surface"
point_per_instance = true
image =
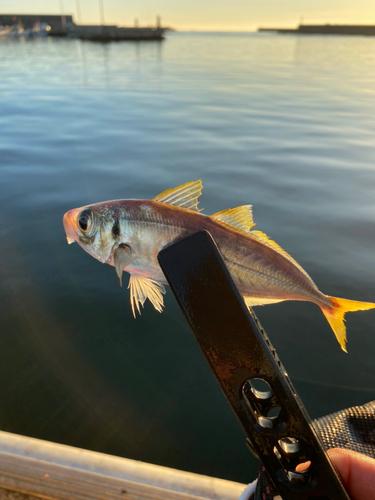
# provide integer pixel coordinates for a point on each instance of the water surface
(284, 123)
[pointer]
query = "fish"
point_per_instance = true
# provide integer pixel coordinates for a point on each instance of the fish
(129, 234)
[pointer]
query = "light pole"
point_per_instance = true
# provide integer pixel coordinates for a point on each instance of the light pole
(63, 18)
(101, 7)
(78, 9)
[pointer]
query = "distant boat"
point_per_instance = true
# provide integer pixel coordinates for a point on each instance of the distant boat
(16, 30)
(40, 29)
(4, 30)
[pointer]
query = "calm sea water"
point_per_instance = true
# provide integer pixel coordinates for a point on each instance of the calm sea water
(284, 123)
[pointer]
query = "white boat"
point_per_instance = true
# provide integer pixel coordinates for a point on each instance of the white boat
(17, 30)
(4, 30)
(40, 29)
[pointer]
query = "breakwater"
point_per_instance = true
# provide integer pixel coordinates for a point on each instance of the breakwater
(109, 33)
(326, 29)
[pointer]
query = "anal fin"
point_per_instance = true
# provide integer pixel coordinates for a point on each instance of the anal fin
(260, 301)
(142, 288)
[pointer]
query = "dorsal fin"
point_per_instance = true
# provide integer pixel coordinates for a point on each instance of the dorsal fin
(239, 217)
(185, 196)
(270, 243)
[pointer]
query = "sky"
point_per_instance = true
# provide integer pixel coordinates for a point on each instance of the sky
(226, 15)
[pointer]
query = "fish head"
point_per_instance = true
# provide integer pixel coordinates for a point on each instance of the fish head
(90, 227)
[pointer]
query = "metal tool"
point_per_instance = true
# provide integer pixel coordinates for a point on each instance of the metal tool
(246, 366)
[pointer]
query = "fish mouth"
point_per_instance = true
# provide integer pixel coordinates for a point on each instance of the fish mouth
(70, 222)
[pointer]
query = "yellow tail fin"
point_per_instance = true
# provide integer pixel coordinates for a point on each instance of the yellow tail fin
(335, 316)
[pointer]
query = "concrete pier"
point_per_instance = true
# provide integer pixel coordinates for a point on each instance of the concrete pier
(63, 25)
(109, 33)
(326, 29)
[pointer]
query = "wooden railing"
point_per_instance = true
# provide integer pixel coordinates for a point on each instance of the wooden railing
(34, 469)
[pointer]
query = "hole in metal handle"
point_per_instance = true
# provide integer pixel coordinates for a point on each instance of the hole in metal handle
(289, 445)
(292, 457)
(264, 405)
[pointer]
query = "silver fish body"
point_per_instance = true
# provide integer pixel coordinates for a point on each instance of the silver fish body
(128, 234)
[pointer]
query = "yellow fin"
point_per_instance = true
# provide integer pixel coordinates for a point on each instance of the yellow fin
(335, 316)
(142, 288)
(185, 196)
(270, 243)
(267, 241)
(239, 217)
(260, 301)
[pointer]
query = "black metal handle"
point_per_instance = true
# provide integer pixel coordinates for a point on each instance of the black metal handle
(249, 371)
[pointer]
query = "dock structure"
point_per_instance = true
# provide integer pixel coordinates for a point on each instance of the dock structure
(63, 25)
(326, 29)
(114, 33)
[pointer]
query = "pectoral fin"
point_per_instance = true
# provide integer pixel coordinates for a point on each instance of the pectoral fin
(122, 258)
(142, 288)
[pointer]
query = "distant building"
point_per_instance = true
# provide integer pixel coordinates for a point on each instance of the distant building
(58, 23)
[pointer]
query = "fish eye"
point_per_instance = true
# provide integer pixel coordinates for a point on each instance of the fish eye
(85, 221)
